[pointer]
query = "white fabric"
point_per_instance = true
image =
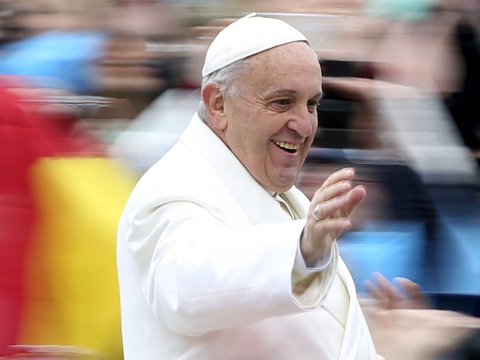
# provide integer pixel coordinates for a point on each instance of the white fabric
(205, 262)
(245, 37)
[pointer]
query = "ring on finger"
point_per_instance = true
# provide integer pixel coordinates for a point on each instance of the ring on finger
(315, 213)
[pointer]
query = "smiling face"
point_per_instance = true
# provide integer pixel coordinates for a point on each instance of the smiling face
(271, 124)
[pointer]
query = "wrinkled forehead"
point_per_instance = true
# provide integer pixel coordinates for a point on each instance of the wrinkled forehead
(285, 59)
(294, 65)
(295, 50)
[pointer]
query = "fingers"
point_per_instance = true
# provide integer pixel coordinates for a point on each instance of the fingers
(327, 208)
(328, 215)
(336, 198)
(345, 174)
(326, 193)
(406, 295)
(355, 197)
(413, 292)
(334, 187)
(383, 291)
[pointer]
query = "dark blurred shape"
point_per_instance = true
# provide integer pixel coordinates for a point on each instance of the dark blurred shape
(347, 68)
(464, 303)
(410, 199)
(9, 29)
(464, 105)
(334, 120)
(467, 350)
(336, 111)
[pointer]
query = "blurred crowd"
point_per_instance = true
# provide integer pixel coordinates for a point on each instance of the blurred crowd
(93, 92)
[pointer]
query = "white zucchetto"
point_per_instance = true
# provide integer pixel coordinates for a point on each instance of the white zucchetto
(247, 36)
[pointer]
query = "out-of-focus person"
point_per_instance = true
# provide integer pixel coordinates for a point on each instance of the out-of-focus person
(121, 49)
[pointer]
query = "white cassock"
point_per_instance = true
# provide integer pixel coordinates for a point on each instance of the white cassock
(206, 260)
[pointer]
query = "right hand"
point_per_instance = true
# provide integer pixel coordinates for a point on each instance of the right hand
(336, 200)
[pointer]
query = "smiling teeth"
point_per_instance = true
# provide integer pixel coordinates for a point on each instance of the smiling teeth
(286, 145)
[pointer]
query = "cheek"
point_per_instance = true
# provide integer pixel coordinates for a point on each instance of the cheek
(253, 132)
(246, 143)
(314, 122)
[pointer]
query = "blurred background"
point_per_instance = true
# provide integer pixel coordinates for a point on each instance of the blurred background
(93, 92)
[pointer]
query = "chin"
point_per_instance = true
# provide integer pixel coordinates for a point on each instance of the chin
(286, 182)
(284, 186)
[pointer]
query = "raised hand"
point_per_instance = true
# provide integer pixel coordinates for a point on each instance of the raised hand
(329, 213)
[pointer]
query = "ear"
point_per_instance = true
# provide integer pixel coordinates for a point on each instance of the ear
(214, 102)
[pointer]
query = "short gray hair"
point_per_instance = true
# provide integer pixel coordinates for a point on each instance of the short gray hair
(227, 78)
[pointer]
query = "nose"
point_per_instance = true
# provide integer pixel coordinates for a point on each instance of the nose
(303, 121)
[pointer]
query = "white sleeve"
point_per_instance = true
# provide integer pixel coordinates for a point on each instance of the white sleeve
(199, 275)
(319, 265)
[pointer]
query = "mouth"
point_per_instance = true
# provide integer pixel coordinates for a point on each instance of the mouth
(289, 147)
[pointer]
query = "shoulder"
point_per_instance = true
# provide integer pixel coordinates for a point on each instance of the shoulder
(181, 175)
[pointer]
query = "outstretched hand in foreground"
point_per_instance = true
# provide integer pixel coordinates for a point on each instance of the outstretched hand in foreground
(404, 326)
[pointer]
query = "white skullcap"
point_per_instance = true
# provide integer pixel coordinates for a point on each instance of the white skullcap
(245, 37)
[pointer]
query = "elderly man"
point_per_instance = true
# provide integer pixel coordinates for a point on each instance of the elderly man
(219, 255)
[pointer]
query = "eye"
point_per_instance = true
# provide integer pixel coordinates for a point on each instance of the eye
(281, 105)
(282, 102)
(312, 105)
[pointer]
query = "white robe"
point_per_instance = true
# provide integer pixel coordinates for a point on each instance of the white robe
(205, 263)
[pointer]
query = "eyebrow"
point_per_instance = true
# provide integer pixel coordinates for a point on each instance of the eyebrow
(318, 95)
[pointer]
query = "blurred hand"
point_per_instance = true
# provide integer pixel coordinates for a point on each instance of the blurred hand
(405, 327)
(406, 294)
(418, 334)
(333, 203)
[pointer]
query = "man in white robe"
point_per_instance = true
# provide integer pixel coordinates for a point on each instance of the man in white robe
(219, 255)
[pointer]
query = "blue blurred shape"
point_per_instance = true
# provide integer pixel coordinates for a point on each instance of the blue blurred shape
(394, 249)
(56, 59)
(401, 9)
(459, 257)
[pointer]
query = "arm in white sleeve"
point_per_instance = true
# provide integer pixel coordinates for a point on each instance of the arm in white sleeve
(304, 269)
(306, 279)
(199, 275)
